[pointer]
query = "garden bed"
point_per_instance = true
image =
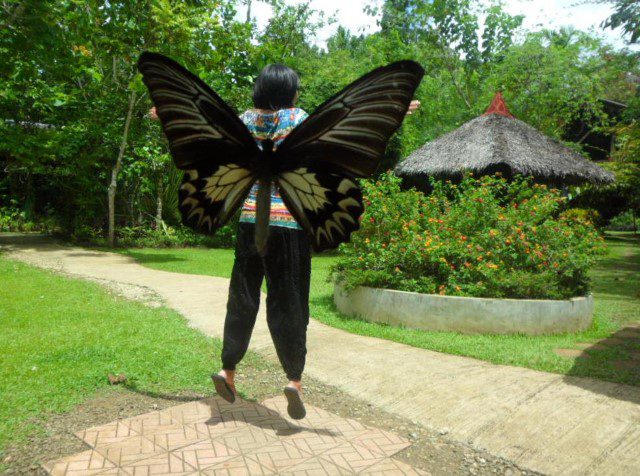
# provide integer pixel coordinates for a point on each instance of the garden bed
(432, 312)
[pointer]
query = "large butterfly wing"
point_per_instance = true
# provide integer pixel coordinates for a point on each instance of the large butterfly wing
(207, 140)
(344, 138)
(327, 205)
(199, 125)
(350, 131)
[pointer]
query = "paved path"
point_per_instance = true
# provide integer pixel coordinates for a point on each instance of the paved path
(546, 422)
(213, 437)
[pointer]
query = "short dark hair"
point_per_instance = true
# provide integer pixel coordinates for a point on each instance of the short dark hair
(275, 87)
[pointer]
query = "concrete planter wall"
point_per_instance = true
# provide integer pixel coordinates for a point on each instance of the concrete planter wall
(467, 315)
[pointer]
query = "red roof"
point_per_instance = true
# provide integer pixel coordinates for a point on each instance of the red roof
(498, 106)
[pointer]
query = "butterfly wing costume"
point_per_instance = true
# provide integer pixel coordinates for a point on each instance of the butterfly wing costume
(315, 168)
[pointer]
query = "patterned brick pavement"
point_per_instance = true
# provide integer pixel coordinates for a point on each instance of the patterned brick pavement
(213, 437)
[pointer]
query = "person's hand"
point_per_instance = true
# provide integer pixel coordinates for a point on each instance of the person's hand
(413, 105)
(153, 114)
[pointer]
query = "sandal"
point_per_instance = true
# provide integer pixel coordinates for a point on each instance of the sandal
(223, 388)
(295, 407)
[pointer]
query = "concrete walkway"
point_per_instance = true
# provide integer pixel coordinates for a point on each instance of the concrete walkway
(549, 423)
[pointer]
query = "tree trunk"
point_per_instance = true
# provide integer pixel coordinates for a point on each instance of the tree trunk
(248, 11)
(159, 205)
(111, 191)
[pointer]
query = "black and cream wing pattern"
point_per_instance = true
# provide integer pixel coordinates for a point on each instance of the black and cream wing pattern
(315, 168)
(206, 139)
(344, 139)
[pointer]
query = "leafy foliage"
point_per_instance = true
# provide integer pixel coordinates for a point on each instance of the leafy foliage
(70, 73)
(625, 221)
(483, 237)
(627, 16)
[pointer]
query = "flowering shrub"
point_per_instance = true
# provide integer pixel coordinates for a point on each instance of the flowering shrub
(484, 237)
(584, 214)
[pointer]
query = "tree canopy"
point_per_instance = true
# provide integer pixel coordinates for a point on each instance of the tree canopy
(73, 110)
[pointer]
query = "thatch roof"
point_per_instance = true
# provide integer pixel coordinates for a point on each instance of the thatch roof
(498, 142)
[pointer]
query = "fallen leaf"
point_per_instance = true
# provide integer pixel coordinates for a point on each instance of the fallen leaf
(116, 379)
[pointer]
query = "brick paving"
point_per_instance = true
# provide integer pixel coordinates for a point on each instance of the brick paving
(213, 437)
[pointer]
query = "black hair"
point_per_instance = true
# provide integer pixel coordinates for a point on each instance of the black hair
(275, 87)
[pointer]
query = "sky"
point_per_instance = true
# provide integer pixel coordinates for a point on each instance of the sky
(538, 14)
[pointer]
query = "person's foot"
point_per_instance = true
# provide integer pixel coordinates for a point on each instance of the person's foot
(293, 393)
(225, 387)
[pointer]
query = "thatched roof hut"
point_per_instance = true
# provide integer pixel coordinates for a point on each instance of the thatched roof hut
(498, 142)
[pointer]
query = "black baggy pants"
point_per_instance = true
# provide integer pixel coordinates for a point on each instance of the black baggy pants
(287, 268)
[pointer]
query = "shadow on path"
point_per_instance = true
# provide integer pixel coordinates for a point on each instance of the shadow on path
(617, 354)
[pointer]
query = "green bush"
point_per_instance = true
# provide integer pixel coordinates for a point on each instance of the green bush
(588, 215)
(623, 222)
(485, 237)
(14, 219)
(147, 236)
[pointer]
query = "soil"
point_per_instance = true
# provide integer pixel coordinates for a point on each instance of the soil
(430, 450)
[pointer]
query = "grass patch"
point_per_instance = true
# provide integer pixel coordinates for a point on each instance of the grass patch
(616, 282)
(61, 337)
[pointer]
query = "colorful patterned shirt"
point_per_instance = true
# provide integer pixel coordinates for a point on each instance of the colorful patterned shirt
(274, 126)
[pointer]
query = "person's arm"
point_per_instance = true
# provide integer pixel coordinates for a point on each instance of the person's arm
(413, 106)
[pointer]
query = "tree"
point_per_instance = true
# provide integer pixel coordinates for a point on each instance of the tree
(75, 142)
(627, 16)
(550, 83)
(77, 60)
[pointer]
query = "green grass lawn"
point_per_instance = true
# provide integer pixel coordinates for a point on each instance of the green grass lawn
(616, 284)
(61, 338)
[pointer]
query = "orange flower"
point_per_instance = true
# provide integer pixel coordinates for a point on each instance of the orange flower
(479, 258)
